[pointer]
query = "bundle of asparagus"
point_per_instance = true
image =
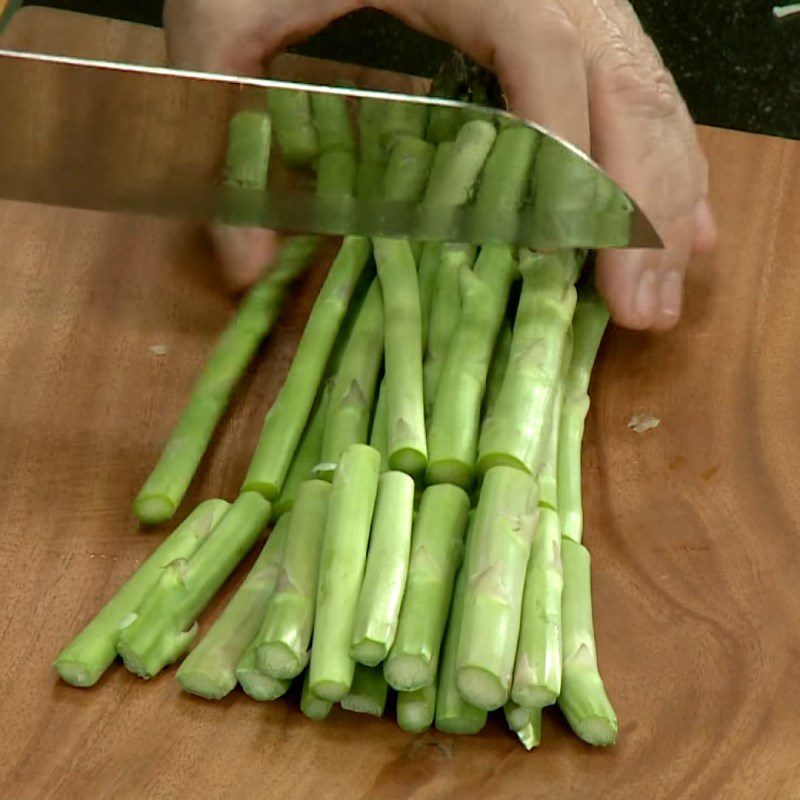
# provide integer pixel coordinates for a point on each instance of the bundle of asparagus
(417, 367)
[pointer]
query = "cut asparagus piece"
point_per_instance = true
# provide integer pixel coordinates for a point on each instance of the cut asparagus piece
(405, 414)
(377, 437)
(210, 669)
(336, 174)
(247, 159)
(306, 457)
(537, 674)
(344, 554)
(384, 583)
(289, 414)
(591, 318)
(415, 710)
(254, 683)
(436, 549)
(497, 368)
(311, 705)
(455, 421)
(285, 633)
(90, 653)
(445, 314)
(402, 119)
(372, 162)
(368, 692)
(427, 275)
(332, 122)
(583, 698)
(505, 523)
(294, 126)
(407, 171)
(515, 433)
(353, 388)
(166, 621)
(453, 713)
(525, 722)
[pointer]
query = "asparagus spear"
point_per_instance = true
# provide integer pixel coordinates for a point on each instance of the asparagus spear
(336, 174)
(453, 438)
(497, 368)
(525, 722)
(381, 596)
(415, 710)
(427, 275)
(591, 318)
(344, 553)
(294, 127)
(537, 674)
(247, 159)
(90, 653)
(453, 713)
(289, 414)
(332, 122)
(165, 623)
(505, 522)
(583, 698)
(445, 314)
(407, 171)
(283, 639)
(311, 705)
(306, 457)
(368, 692)
(353, 388)
(516, 431)
(436, 547)
(405, 415)
(254, 683)
(210, 669)
(377, 436)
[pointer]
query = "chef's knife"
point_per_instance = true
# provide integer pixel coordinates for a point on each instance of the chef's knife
(138, 139)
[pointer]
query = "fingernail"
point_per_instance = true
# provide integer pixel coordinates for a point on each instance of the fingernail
(645, 300)
(671, 294)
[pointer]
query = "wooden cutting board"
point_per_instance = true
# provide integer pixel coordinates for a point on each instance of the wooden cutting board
(693, 526)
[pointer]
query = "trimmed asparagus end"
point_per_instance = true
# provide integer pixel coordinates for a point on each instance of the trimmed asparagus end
(153, 650)
(415, 710)
(584, 703)
(153, 509)
(77, 674)
(261, 687)
(267, 489)
(205, 684)
(491, 460)
(367, 693)
(279, 661)
(408, 460)
(465, 725)
(450, 471)
(480, 688)
(369, 652)
(332, 691)
(534, 697)
(312, 706)
(407, 673)
(362, 705)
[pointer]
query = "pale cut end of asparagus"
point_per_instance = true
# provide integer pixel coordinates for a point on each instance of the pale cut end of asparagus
(408, 460)
(450, 471)
(311, 705)
(370, 652)
(331, 691)
(482, 688)
(294, 128)
(254, 683)
(282, 661)
(461, 724)
(367, 693)
(415, 710)
(408, 672)
(153, 509)
(247, 161)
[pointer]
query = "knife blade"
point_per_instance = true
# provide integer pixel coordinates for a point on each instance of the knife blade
(127, 138)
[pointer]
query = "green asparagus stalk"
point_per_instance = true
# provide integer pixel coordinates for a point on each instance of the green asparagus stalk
(455, 420)
(90, 653)
(591, 318)
(525, 722)
(247, 159)
(407, 171)
(377, 436)
(436, 549)
(332, 122)
(254, 683)
(306, 457)
(210, 669)
(165, 623)
(403, 119)
(336, 174)
(415, 710)
(353, 388)
(453, 713)
(285, 634)
(372, 161)
(497, 368)
(384, 583)
(289, 414)
(445, 314)
(515, 433)
(427, 276)
(505, 523)
(311, 705)
(583, 698)
(295, 132)
(537, 674)
(405, 414)
(368, 692)
(344, 554)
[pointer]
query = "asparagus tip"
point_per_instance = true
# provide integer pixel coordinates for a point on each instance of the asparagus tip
(153, 509)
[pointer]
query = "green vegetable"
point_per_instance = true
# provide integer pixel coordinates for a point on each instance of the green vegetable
(294, 126)
(525, 722)
(254, 683)
(367, 693)
(332, 121)
(415, 710)
(311, 705)
(247, 159)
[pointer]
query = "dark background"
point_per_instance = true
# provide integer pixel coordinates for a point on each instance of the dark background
(736, 65)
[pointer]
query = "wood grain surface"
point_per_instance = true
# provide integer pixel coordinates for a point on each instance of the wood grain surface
(693, 526)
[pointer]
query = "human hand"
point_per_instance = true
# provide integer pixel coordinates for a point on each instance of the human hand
(586, 71)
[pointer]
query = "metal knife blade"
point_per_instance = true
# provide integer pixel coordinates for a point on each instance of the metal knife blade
(150, 140)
